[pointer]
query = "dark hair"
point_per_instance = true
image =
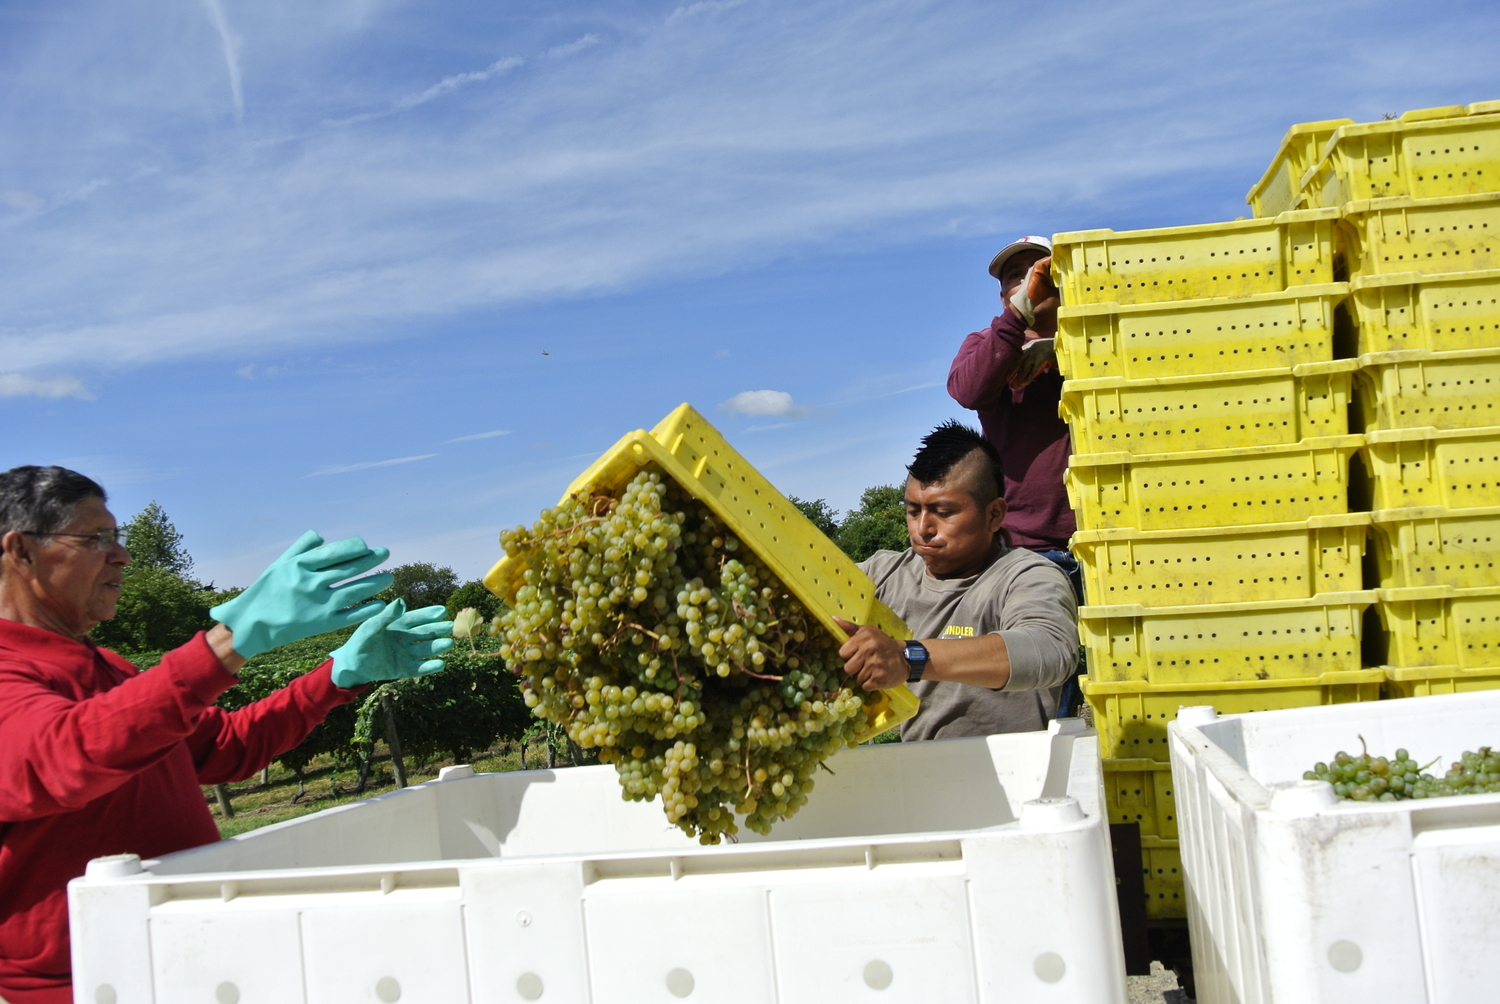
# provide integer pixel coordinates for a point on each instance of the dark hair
(43, 499)
(945, 447)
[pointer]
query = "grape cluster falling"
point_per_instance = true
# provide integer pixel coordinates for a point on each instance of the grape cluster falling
(1366, 778)
(650, 632)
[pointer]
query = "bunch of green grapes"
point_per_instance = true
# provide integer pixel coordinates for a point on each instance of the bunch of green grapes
(650, 633)
(1365, 778)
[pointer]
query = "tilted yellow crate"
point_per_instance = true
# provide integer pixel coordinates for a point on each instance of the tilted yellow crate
(1452, 468)
(692, 453)
(1239, 258)
(1272, 561)
(1199, 337)
(1434, 546)
(1216, 644)
(1412, 388)
(1220, 412)
(1212, 488)
(1425, 154)
(1432, 236)
(1280, 188)
(1436, 313)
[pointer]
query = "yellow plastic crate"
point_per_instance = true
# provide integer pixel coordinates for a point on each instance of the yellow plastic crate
(1437, 313)
(1441, 626)
(1240, 487)
(1452, 468)
(1140, 792)
(1425, 154)
(1166, 898)
(1432, 236)
(1132, 717)
(693, 453)
(1426, 681)
(1188, 263)
(1280, 188)
(1269, 561)
(1224, 643)
(1433, 546)
(1412, 388)
(1145, 340)
(1221, 412)
(1132, 723)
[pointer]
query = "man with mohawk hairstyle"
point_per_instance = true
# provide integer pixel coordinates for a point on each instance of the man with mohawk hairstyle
(996, 625)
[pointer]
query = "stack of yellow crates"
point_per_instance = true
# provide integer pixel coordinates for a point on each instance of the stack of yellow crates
(1419, 200)
(1247, 400)
(1209, 412)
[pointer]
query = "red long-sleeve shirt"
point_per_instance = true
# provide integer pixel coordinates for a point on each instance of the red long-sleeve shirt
(97, 758)
(1025, 428)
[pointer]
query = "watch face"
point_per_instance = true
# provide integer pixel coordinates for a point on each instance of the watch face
(916, 661)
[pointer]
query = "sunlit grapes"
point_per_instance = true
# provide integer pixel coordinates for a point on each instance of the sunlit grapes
(1366, 778)
(652, 634)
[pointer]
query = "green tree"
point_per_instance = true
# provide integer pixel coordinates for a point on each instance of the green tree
(157, 610)
(155, 543)
(474, 594)
(822, 515)
(159, 607)
(879, 524)
(421, 584)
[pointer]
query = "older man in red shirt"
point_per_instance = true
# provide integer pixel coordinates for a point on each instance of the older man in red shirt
(99, 758)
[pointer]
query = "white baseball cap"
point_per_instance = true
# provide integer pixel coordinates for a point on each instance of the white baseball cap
(1031, 243)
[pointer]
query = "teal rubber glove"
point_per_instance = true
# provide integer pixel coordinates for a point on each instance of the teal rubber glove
(393, 645)
(298, 596)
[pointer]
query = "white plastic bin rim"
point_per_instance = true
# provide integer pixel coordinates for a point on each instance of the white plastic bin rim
(1270, 750)
(893, 795)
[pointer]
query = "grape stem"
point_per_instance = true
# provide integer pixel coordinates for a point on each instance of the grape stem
(636, 627)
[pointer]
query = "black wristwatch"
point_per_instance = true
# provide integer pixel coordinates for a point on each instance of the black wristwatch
(916, 661)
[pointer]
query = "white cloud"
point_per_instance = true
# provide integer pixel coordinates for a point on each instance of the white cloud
(20, 200)
(231, 45)
(26, 385)
(345, 468)
(765, 402)
(457, 80)
(702, 7)
(480, 435)
(578, 45)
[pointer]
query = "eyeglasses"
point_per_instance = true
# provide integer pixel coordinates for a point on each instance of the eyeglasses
(103, 539)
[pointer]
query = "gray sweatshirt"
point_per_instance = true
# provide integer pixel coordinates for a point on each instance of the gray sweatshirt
(1022, 597)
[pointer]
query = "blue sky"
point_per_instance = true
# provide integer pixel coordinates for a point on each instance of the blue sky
(403, 269)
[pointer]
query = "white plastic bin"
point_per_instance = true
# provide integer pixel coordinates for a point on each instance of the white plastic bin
(1294, 896)
(964, 870)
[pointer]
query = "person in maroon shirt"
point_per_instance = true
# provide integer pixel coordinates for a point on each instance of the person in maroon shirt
(99, 758)
(1007, 372)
